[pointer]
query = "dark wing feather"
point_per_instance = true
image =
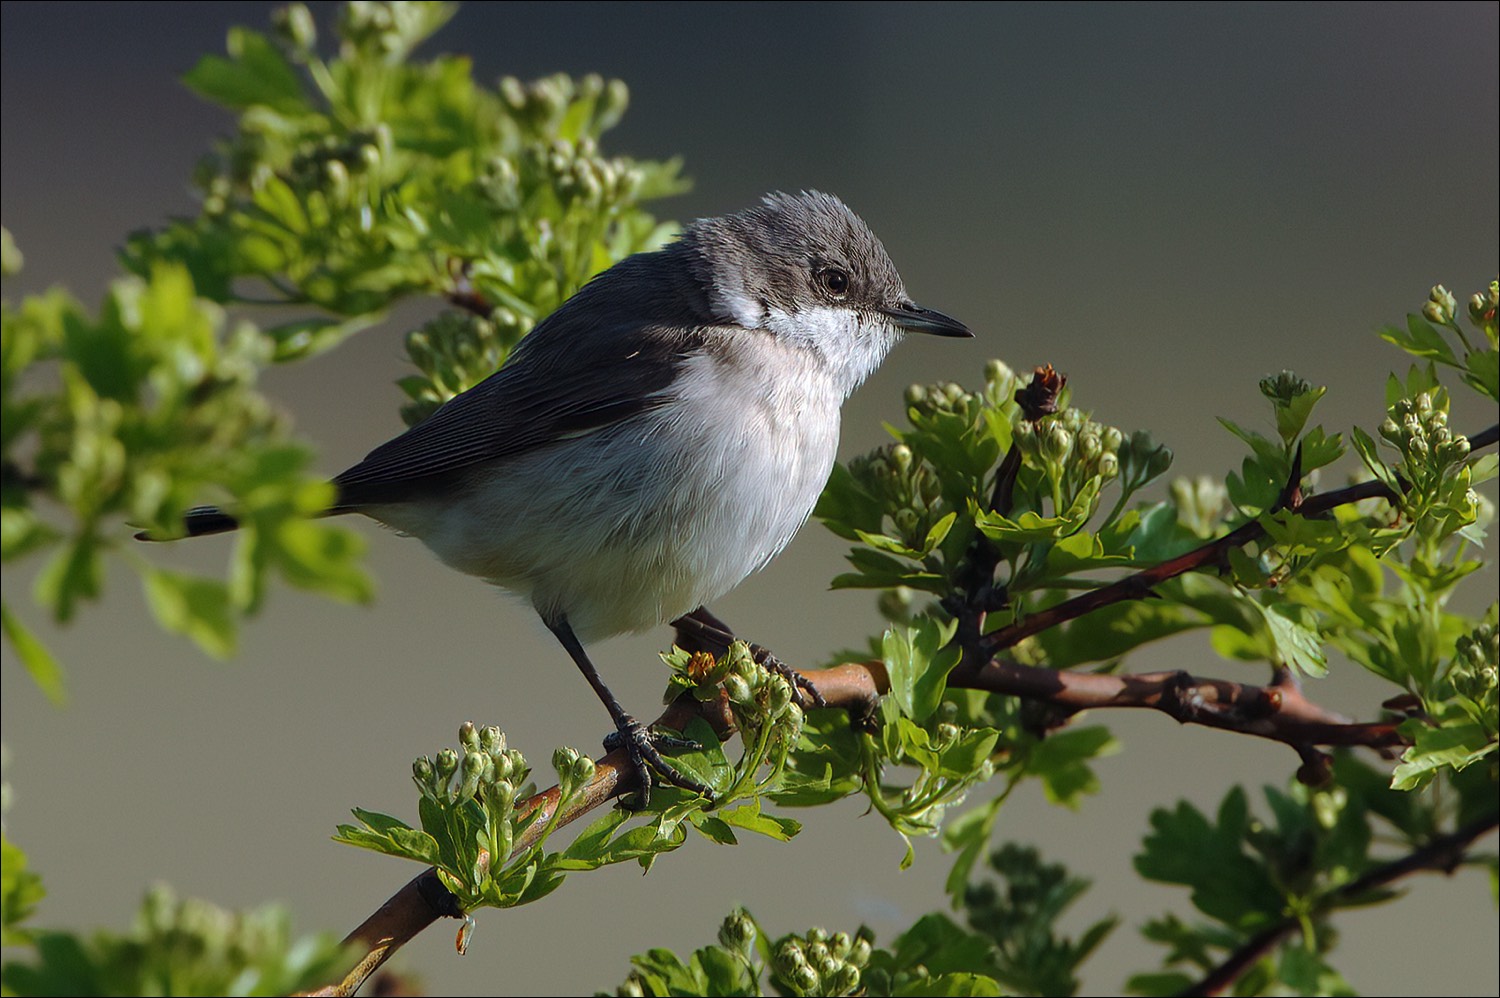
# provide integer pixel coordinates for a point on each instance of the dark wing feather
(558, 383)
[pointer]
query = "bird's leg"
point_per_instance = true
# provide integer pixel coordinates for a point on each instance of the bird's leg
(703, 628)
(638, 741)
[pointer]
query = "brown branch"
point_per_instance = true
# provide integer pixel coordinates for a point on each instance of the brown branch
(1444, 852)
(1140, 584)
(1278, 711)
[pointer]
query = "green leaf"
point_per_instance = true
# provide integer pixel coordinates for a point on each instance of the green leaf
(1433, 749)
(1031, 527)
(1228, 885)
(1061, 762)
(1420, 339)
(1296, 638)
(749, 817)
(1483, 374)
(955, 985)
(1292, 415)
(255, 73)
(1112, 631)
(20, 892)
(308, 337)
(918, 660)
(1369, 453)
(391, 836)
(193, 606)
(35, 658)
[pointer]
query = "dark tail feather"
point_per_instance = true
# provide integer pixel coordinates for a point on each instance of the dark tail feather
(201, 521)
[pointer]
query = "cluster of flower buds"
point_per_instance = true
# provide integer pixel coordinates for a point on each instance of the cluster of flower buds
(482, 767)
(1070, 441)
(908, 489)
(574, 769)
(1284, 387)
(820, 963)
(295, 26)
(332, 162)
(389, 30)
(1475, 673)
(1482, 307)
(577, 172)
(737, 933)
(758, 696)
(1201, 503)
(542, 105)
(455, 351)
(1441, 306)
(1418, 428)
(923, 402)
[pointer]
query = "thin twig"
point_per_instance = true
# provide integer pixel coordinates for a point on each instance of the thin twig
(1443, 852)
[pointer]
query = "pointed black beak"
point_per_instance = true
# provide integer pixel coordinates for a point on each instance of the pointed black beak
(910, 317)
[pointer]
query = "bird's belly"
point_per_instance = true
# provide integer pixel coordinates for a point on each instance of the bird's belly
(640, 522)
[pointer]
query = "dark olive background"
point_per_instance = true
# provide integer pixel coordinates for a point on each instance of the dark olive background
(1165, 201)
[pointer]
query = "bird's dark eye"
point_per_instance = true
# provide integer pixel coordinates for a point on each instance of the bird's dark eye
(834, 281)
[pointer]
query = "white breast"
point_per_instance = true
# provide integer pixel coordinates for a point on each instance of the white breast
(640, 522)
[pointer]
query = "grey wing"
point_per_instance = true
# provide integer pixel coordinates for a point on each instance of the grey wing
(557, 387)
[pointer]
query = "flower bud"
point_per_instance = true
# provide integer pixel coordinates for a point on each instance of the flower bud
(1442, 305)
(737, 932)
(1057, 443)
(844, 981)
(804, 980)
(295, 24)
(996, 372)
(468, 735)
(737, 689)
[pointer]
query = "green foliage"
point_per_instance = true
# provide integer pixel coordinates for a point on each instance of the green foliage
(145, 407)
(177, 947)
(358, 180)
(21, 891)
(935, 957)
(1019, 913)
(1296, 868)
(352, 182)
(490, 852)
(359, 176)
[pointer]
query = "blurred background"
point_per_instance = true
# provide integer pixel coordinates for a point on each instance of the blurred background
(1166, 202)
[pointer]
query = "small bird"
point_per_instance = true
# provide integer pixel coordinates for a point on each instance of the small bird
(659, 437)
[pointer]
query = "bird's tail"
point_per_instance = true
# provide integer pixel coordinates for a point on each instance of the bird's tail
(200, 521)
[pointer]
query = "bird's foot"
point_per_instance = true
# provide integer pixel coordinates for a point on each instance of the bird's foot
(643, 746)
(807, 694)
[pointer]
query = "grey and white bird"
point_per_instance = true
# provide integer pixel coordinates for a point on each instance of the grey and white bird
(660, 436)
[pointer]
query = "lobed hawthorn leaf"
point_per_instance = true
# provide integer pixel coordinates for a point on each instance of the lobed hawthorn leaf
(1455, 746)
(918, 660)
(1483, 373)
(1061, 759)
(1228, 885)
(1420, 338)
(197, 607)
(256, 73)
